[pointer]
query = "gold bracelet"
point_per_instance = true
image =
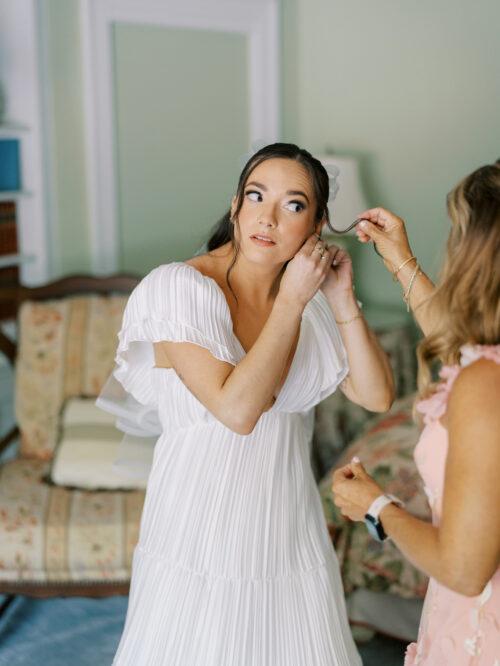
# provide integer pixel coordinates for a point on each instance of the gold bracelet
(348, 321)
(395, 273)
(406, 295)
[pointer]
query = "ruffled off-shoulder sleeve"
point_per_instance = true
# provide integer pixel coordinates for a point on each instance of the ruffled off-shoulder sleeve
(320, 363)
(334, 364)
(175, 303)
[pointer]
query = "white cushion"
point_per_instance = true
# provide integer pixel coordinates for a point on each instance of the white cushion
(83, 411)
(88, 449)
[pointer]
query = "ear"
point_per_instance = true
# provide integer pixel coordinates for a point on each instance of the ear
(318, 227)
(233, 206)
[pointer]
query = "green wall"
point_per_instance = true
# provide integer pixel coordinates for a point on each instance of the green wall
(182, 123)
(72, 253)
(412, 89)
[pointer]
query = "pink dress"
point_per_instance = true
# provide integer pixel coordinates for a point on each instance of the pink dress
(455, 630)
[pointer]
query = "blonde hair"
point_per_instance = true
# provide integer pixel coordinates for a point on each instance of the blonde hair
(467, 297)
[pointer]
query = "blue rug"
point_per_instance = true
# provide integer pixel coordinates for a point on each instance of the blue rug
(61, 631)
(85, 632)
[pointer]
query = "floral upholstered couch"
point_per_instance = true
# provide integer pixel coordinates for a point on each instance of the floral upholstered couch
(385, 447)
(59, 540)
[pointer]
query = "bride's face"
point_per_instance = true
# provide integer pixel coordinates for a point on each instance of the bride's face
(278, 211)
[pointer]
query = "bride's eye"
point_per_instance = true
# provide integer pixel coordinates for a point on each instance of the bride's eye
(253, 195)
(295, 206)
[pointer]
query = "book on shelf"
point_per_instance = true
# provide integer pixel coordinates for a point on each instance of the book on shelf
(8, 228)
(7, 211)
(9, 275)
(10, 168)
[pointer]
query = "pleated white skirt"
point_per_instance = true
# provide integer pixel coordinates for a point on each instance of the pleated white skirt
(179, 617)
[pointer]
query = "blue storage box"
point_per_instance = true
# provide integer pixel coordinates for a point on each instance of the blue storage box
(10, 176)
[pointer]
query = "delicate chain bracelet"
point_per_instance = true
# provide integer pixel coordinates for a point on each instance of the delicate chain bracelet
(348, 321)
(406, 295)
(395, 273)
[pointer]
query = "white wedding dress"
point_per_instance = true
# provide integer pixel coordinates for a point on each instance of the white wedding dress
(234, 565)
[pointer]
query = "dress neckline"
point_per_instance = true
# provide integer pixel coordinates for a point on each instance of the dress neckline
(226, 304)
(221, 292)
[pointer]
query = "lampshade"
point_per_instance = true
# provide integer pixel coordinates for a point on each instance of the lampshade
(350, 200)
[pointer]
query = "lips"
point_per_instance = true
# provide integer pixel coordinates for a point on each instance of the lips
(263, 240)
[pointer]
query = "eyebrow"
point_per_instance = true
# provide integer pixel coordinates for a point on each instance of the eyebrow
(289, 192)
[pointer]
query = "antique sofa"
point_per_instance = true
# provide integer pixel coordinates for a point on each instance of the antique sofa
(60, 540)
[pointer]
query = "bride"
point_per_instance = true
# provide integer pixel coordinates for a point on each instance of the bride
(232, 350)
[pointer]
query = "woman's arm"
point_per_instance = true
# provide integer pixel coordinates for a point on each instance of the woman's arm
(389, 233)
(238, 395)
(370, 382)
(462, 553)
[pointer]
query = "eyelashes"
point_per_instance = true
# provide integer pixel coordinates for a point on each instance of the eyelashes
(294, 206)
(299, 204)
(253, 195)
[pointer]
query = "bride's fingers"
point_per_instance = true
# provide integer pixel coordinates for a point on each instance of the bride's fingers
(326, 260)
(319, 247)
(334, 253)
(310, 244)
(340, 256)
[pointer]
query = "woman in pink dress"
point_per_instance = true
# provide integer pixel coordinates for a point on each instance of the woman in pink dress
(458, 454)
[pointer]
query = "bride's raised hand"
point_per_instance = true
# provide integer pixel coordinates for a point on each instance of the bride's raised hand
(305, 272)
(339, 278)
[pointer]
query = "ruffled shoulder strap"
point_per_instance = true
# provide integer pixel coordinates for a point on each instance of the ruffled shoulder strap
(471, 353)
(434, 407)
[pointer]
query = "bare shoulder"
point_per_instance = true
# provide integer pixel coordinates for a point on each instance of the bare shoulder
(211, 264)
(481, 378)
(474, 403)
(197, 262)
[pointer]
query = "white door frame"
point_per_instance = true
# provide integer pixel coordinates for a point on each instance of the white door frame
(257, 19)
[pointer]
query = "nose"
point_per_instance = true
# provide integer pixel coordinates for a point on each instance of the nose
(268, 218)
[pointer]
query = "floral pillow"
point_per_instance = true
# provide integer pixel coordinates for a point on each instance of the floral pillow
(386, 450)
(339, 421)
(66, 349)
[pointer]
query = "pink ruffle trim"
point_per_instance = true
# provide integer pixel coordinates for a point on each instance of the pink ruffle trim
(410, 655)
(434, 407)
(471, 353)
